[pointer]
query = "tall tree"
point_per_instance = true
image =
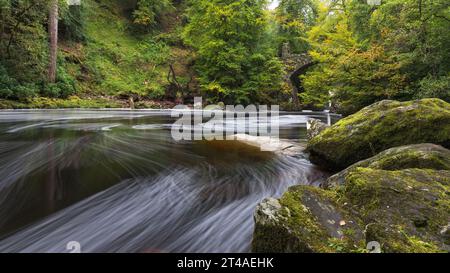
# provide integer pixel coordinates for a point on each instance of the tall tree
(53, 38)
(235, 62)
(147, 12)
(295, 18)
(23, 47)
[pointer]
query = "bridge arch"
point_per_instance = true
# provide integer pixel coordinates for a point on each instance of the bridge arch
(296, 65)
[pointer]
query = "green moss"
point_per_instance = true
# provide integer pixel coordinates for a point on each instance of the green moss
(402, 206)
(422, 156)
(308, 221)
(301, 221)
(396, 240)
(381, 126)
(344, 246)
(295, 230)
(404, 210)
(415, 245)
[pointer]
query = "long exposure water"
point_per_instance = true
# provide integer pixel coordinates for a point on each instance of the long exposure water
(116, 181)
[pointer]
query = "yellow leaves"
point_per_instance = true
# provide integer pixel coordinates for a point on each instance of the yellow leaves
(296, 24)
(215, 88)
(384, 32)
(319, 57)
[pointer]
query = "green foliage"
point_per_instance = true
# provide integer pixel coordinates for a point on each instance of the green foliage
(25, 91)
(23, 39)
(234, 63)
(24, 46)
(294, 19)
(397, 50)
(148, 11)
(6, 84)
(98, 52)
(431, 87)
(117, 61)
(63, 88)
(72, 22)
(11, 89)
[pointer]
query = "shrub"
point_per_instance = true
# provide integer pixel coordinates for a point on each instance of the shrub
(11, 89)
(6, 84)
(63, 88)
(431, 87)
(25, 91)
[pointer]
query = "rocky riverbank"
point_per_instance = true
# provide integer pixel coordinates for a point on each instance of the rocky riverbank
(391, 189)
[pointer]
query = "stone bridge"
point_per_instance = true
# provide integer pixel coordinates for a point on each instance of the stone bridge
(296, 65)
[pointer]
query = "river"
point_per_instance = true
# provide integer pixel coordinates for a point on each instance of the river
(116, 181)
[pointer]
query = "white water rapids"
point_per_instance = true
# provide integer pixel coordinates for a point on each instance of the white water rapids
(115, 181)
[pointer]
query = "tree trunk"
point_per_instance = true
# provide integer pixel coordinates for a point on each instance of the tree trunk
(53, 33)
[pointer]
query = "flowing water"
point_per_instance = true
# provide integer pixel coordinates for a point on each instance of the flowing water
(116, 181)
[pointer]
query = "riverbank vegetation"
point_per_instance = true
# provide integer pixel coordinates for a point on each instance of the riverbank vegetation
(225, 50)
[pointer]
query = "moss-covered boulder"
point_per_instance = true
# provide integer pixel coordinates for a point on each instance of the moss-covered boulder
(422, 156)
(305, 219)
(378, 127)
(404, 211)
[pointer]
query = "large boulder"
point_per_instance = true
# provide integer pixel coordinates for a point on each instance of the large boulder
(421, 156)
(305, 219)
(402, 211)
(378, 127)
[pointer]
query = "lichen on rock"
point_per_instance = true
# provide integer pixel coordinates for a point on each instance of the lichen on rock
(314, 127)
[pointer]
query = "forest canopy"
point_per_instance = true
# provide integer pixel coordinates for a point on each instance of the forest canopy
(397, 50)
(228, 50)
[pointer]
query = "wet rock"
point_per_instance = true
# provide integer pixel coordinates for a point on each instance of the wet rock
(268, 144)
(421, 156)
(231, 152)
(314, 127)
(378, 127)
(304, 220)
(268, 211)
(215, 107)
(403, 210)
